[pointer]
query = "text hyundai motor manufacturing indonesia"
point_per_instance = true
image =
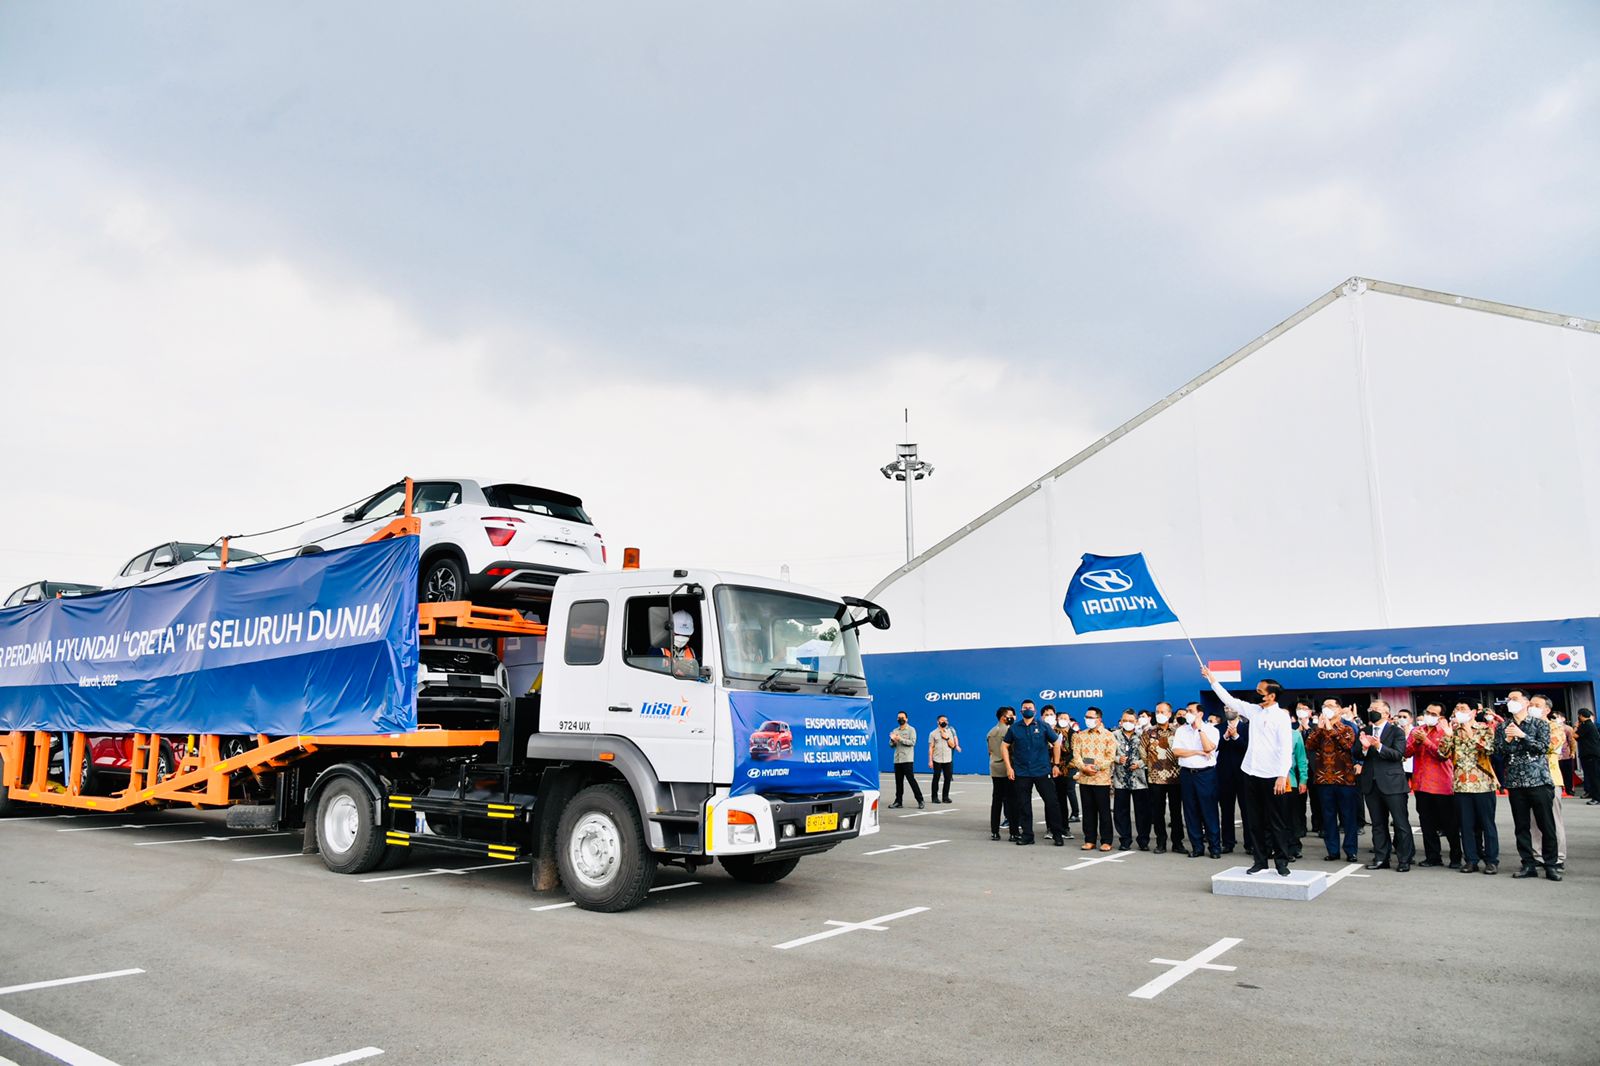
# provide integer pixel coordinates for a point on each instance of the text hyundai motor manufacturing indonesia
(680, 716)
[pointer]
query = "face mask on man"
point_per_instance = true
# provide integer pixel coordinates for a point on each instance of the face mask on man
(1050, 719)
(1162, 719)
(1428, 719)
(1463, 717)
(1374, 717)
(1127, 727)
(1514, 707)
(1537, 711)
(944, 725)
(1192, 718)
(1304, 714)
(1090, 723)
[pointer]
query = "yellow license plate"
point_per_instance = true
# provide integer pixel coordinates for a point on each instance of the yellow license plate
(821, 823)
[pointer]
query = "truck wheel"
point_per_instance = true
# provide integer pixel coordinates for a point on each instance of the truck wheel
(88, 780)
(443, 579)
(348, 833)
(745, 868)
(600, 848)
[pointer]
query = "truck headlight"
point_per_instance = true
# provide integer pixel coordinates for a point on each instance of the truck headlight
(742, 827)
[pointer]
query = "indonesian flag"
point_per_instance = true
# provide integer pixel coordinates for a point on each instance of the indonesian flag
(1226, 670)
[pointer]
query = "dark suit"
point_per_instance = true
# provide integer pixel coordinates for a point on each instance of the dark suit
(1383, 786)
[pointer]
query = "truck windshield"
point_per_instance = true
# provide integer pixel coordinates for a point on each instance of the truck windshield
(764, 630)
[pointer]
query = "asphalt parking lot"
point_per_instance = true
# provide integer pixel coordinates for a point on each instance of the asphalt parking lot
(206, 945)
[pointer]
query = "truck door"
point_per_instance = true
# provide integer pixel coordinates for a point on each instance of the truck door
(657, 697)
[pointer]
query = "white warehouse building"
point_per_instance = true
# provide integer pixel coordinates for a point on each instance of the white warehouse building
(1394, 492)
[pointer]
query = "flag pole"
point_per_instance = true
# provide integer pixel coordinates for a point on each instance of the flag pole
(1181, 627)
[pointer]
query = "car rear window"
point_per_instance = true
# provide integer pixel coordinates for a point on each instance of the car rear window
(537, 501)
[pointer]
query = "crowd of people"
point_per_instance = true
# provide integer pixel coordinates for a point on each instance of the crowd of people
(1171, 782)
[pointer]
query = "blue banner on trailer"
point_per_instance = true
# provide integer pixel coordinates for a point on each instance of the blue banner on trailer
(319, 644)
(802, 742)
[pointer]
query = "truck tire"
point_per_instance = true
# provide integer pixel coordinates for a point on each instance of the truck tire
(745, 868)
(348, 833)
(601, 851)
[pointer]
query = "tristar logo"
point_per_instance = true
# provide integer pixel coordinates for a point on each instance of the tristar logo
(663, 709)
(935, 697)
(1107, 581)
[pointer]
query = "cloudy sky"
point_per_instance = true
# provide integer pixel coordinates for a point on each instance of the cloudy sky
(690, 261)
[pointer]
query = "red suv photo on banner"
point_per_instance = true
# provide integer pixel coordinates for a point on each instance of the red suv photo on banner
(802, 742)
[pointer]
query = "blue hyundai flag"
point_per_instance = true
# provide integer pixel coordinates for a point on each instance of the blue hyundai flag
(1114, 592)
(323, 644)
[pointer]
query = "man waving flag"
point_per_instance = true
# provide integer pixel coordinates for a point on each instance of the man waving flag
(1114, 592)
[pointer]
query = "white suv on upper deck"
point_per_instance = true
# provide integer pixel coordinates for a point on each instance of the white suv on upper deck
(481, 538)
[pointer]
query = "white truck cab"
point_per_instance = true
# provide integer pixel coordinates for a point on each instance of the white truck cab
(733, 707)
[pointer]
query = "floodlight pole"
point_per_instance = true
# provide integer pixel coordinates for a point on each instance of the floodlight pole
(907, 467)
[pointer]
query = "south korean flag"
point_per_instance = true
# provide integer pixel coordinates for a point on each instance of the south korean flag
(1563, 660)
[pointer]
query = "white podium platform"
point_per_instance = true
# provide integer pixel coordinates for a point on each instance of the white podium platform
(1300, 885)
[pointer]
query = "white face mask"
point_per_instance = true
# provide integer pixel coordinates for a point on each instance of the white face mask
(1462, 717)
(1303, 714)
(1538, 711)
(1127, 727)
(1163, 719)
(1428, 719)
(1192, 719)
(1514, 707)
(1090, 723)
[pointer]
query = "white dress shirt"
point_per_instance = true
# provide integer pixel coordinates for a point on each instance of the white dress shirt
(1188, 737)
(1271, 750)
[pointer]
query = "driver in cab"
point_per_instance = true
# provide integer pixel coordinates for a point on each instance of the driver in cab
(678, 652)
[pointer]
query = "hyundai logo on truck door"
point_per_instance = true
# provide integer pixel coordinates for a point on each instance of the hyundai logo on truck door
(663, 709)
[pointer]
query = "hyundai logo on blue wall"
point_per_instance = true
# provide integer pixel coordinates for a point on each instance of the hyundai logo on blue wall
(1072, 694)
(935, 697)
(1107, 581)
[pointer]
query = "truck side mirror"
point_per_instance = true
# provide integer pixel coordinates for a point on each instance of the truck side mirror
(879, 618)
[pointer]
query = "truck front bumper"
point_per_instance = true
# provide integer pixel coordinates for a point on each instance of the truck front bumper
(779, 829)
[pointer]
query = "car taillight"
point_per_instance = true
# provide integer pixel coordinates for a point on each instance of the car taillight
(500, 537)
(498, 571)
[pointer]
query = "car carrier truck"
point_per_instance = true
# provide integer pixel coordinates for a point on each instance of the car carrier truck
(632, 750)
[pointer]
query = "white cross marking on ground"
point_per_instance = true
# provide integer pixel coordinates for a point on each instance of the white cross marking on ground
(49, 1043)
(874, 924)
(1180, 970)
(1348, 871)
(905, 847)
(1118, 857)
(200, 840)
(437, 870)
(921, 814)
(658, 888)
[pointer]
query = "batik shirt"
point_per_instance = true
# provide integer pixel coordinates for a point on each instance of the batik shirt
(1160, 765)
(1468, 747)
(1528, 756)
(1131, 775)
(1330, 745)
(1096, 744)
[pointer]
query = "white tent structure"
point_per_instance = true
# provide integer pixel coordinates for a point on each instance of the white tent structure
(1388, 459)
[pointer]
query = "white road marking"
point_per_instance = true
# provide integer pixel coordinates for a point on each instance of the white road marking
(1180, 970)
(129, 825)
(924, 814)
(49, 1043)
(905, 847)
(874, 924)
(201, 840)
(1348, 871)
(349, 1056)
(67, 981)
(264, 858)
(658, 888)
(436, 871)
(1118, 857)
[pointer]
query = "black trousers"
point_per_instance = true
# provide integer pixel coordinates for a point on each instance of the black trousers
(903, 772)
(1000, 797)
(1139, 800)
(1167, 799)
(1384, 808)
(1314, 794)
(1230, 784)
(1096, 813)
(1438, 818)
(1591, 777)
(1022, 816)
(1480, 837)
(1295, 802)
(944, 770)
(1535, 804)
(1266, 820)
(1066, 796)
